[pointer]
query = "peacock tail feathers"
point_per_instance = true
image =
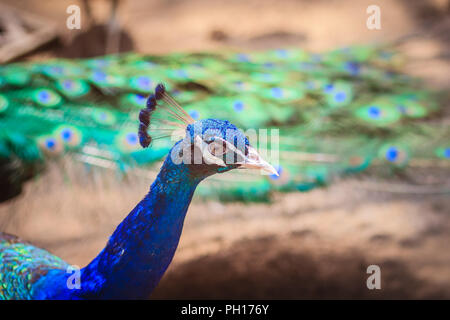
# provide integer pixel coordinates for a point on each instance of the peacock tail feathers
(341, 112)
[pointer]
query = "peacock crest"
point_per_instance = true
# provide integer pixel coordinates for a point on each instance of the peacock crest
(173, 119)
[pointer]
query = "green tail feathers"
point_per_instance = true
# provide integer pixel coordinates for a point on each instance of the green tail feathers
(341, 112)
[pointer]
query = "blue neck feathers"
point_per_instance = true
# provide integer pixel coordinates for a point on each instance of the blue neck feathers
(143, 245)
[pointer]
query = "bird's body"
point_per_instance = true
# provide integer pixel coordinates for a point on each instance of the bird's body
(21, 267)
(131, 264)
(143, 245)
(346, 111)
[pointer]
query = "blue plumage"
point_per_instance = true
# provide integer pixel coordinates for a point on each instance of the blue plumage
(142, 247)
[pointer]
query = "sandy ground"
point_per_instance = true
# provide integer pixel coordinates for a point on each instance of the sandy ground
(303, 245)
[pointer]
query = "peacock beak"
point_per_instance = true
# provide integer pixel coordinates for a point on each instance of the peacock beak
(254, 161)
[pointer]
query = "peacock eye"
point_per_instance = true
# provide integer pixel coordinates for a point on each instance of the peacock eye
(217, 148)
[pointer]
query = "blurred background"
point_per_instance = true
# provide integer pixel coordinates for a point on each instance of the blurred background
(315, 244)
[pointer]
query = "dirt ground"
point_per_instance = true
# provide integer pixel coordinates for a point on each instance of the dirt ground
(303, 245)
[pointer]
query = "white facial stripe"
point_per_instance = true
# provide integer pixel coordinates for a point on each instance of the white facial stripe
(252, 161)
(231, 147)
(207, 156)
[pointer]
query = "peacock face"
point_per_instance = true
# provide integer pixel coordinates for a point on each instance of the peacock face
(215, 146)
(209, 146)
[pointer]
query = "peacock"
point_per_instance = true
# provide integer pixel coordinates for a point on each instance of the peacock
(314, 117)
(141, 248)
(318, 117)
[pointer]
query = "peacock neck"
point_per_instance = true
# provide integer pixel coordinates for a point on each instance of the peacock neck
(143, 245)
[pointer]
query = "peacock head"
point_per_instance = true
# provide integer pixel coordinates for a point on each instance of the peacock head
(207, 146)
